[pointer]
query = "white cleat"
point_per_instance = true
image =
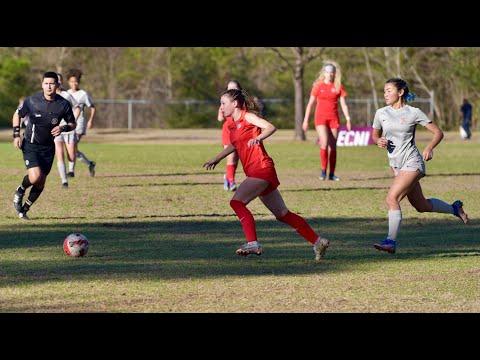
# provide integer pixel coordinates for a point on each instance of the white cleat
(320, 248)
(252, 247)
(23, 215)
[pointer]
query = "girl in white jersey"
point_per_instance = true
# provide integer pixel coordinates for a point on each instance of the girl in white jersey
(67, 138)
(83, 99)
(394, 129)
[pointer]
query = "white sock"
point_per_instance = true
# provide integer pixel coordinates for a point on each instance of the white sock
(71, 166)
(83, 158)
(394, 221)
(440, 206)
(61, 171)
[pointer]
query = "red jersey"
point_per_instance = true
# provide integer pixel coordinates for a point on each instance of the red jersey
(327, 99)
(253, 158)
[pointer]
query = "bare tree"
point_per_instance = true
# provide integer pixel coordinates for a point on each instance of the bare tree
(370, 77)
(295, 61)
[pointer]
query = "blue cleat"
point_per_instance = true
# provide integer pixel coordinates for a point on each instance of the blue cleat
(458, 211)
(387, 245)
(226, 183)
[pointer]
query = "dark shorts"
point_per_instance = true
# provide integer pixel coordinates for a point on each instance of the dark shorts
(38, 156)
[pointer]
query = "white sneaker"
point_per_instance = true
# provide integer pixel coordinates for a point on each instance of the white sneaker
(320, 248)
(252, 247)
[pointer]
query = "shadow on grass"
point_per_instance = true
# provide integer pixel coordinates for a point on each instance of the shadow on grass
(337, 188)
(168, 184)
(189, 249)
(152, 175)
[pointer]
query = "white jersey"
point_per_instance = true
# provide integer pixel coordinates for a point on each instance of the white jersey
(83, 99)
(398, 127)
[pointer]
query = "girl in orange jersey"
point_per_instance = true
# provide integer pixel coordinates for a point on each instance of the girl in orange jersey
(326, 92)
(247, 132)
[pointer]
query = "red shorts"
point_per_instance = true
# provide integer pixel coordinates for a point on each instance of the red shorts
(225, 134)
(330, 121)
(269, 174)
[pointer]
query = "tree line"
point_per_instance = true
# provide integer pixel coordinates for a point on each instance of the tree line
(163, 74)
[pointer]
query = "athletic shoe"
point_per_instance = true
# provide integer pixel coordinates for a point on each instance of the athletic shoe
(23, 214)
(387, 245)
(320, 247)
(458, 211)
(17, 200)
(233, 186)
(65, 185)
(226, 183)
(333, 178)
(71, 174)
(252, 247)
(323, 176)
(91, 168)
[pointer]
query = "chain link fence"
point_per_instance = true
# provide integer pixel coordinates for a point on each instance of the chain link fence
(135, 114)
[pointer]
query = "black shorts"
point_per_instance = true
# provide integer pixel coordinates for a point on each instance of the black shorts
(38, 155)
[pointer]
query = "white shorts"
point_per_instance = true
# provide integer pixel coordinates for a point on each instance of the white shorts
(412, 164)
(66, 137)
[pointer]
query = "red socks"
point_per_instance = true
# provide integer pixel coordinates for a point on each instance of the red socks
(324, 158)
(246, 219)
(333, 160)
(230, 172)
(301, 226)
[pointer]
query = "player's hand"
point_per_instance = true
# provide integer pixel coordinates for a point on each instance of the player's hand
(382, 143)
(89, 124)
(17, 142)
(253, 142)
(56, 131)
(210, 165)
(305, 126)
(349, 125)
(427, 154)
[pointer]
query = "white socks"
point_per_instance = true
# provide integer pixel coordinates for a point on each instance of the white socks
(61, 171)
(440, 206)
(71, 166)
(394, 220)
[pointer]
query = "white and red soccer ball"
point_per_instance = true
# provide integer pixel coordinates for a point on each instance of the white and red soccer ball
(75, 245)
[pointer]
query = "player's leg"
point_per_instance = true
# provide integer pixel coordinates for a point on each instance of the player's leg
(71, 153)
(322, 132)
(59, 154)
(37, 178)
(274, 202)
(231, 167)
(246, 192)
(83, 158)
(402, 184)
(72, 162)
(332, 147)
(421, 204)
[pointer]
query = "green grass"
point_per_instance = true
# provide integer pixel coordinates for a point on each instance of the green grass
(163, 237)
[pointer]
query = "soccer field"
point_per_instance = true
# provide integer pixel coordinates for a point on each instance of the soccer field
(163, 236)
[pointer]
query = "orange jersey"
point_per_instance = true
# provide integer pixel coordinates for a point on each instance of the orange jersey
(253, 158)
(327, 100)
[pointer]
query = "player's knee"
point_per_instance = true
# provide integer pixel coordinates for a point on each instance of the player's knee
(280, 214)
(391, 200)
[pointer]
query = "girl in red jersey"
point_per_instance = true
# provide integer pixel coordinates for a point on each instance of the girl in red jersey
(326, 91)
(247, 132)
(232, 159)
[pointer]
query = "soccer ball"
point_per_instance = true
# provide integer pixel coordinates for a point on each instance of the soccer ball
(75, 245)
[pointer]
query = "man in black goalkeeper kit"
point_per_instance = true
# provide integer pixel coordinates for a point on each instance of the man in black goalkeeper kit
(45, 110)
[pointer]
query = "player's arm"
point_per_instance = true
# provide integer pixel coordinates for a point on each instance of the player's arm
(267, 128)
(17, 140)
(70, 122)
(378, 139)
(220, 116)
(437, 137)
(344, 106)
(92, 115)
(310, 104)
(210, 165)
